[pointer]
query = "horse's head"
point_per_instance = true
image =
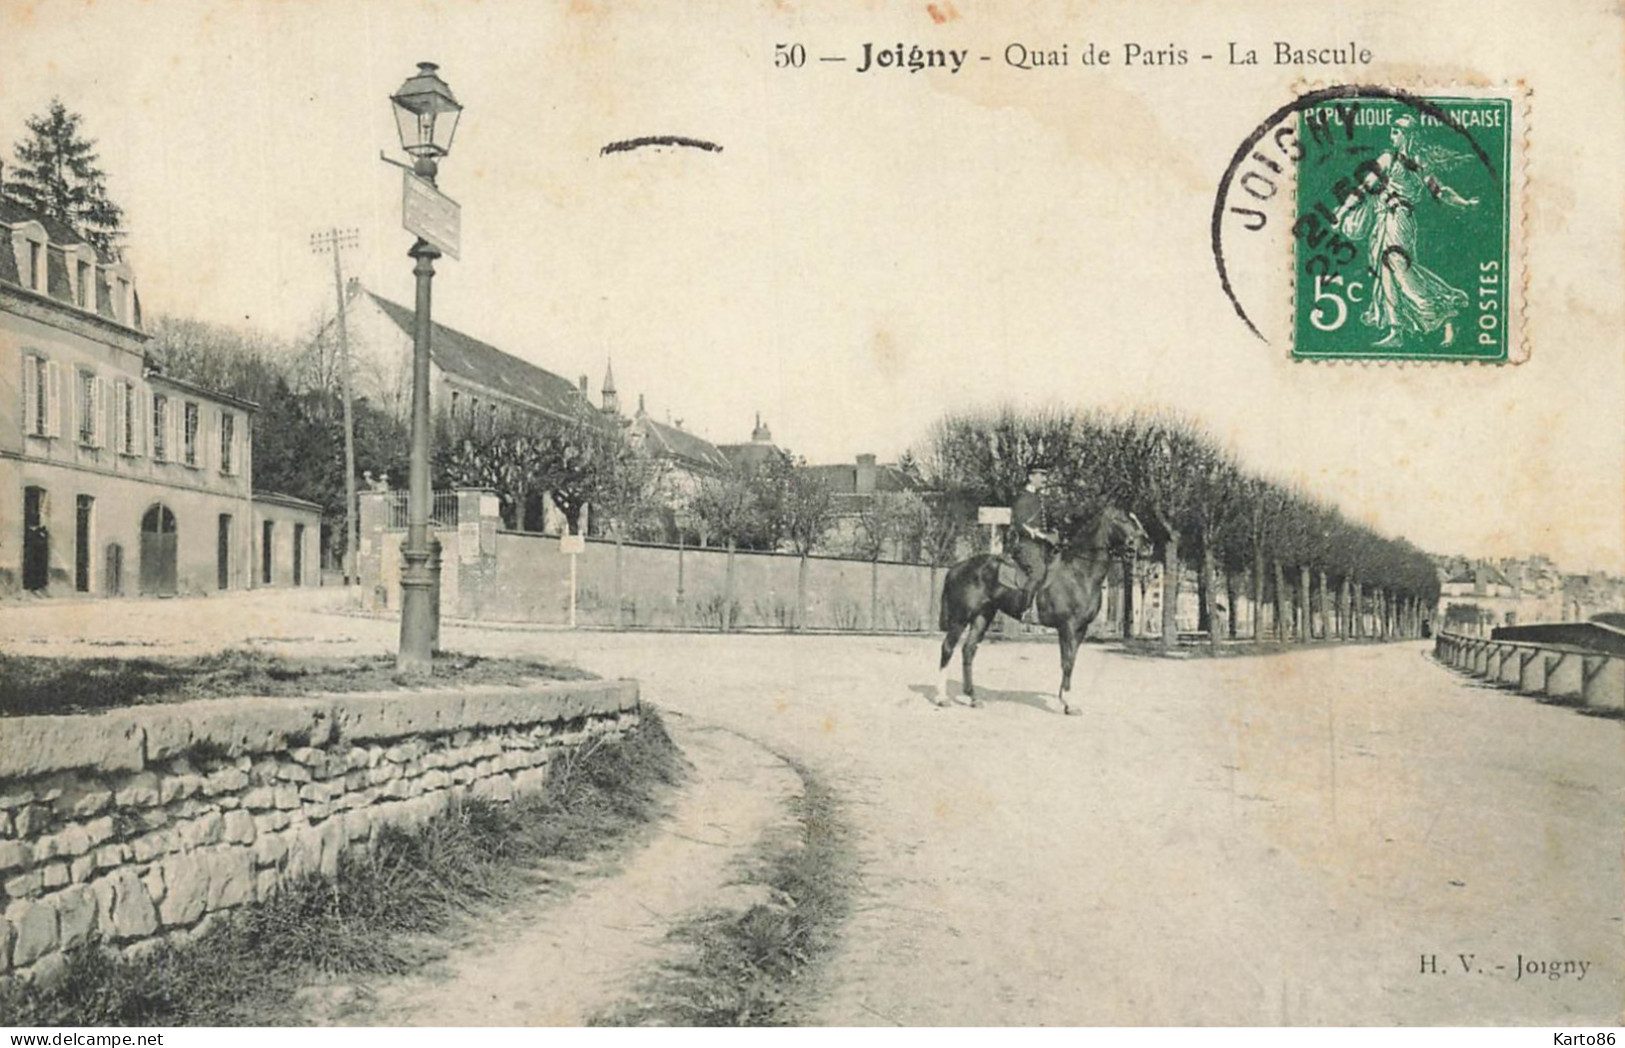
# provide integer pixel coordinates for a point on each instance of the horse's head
(1114, 533)
(1123, 534)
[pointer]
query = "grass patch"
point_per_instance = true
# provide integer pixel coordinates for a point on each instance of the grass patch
(32, 685)
(756, 968)
(249, 967)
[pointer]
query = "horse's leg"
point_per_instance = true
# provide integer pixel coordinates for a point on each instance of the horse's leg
(949, 642)
(1069, 654)
(973, 637)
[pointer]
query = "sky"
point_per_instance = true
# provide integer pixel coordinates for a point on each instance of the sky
(868, 251)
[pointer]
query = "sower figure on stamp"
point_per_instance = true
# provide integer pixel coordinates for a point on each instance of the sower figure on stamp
(1407, 298)
(1032, 543)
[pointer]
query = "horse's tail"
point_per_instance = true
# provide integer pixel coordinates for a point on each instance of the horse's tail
(945, 617)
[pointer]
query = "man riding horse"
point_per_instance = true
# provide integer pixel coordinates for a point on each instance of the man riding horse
(1032, 542)
(1062, 583)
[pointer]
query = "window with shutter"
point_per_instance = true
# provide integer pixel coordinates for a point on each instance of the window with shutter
(84, 392)
(33, 395)
(228, 442)
(140, 407)
(160, 427)
(53, 400)
(103, 406)
(193, 420)
(121, 418)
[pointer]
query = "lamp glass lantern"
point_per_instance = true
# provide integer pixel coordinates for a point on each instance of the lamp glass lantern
(426, 113)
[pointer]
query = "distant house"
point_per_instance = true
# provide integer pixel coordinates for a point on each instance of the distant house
(470, 381)
(761, 449)
(468, 378)
(855, 487)
(855, 483)
(125, 481)
(690, 456)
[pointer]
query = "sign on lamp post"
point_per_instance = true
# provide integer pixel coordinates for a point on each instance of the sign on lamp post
(428, 213)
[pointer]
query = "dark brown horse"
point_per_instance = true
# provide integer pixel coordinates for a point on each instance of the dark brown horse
(1068, 600)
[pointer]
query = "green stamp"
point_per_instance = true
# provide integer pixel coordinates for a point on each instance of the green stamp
(1402, 230)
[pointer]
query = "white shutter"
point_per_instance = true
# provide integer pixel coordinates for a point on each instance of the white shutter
(31, 394)
(53, 399)
(174, 411)
(101, 412)
(121, 416)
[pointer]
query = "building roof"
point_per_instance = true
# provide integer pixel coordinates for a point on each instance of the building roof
(842, 478)
(13, 213)
(671, 442)
(276, 498)
(156, 376)
(466, 357)
(748, 456)
(59, 237)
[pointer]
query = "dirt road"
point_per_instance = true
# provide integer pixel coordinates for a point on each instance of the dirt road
(1328, 837)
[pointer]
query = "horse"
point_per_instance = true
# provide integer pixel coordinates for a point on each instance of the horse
(1067, 600)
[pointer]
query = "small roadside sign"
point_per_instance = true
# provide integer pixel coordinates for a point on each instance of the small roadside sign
(430, 214)
(572, 544)
(993, 515)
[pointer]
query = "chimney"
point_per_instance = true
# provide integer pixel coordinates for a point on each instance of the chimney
(865, 484)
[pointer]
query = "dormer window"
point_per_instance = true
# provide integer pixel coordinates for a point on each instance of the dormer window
(121, 300)
(36, 266)
(81, 260)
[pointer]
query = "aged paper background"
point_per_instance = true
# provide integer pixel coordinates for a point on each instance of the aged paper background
(870, 250)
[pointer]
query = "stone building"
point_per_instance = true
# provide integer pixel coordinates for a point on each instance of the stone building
(114, 479)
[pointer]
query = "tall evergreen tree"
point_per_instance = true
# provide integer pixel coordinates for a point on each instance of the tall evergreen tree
(57, 175)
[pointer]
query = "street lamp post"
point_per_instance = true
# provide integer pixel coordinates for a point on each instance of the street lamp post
(426, 115)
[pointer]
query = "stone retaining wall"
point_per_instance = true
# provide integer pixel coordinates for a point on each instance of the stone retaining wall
(142, 823)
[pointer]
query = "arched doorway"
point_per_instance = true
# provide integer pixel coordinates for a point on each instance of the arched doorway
(158, 547)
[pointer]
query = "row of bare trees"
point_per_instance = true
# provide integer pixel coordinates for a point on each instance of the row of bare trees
(1241, 533)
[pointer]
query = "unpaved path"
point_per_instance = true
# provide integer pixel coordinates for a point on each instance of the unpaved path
(560, 961)
(1280, 840)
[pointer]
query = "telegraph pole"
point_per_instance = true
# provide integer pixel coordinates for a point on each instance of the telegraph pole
(335, 240)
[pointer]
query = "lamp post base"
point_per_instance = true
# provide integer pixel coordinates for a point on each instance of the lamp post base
(420, 609)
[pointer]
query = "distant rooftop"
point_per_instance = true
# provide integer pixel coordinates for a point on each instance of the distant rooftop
(469, 358)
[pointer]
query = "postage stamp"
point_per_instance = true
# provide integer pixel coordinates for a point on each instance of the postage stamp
(1402, 229)
(1375, 222)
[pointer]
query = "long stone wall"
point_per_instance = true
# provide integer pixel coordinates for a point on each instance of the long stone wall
(143, 823)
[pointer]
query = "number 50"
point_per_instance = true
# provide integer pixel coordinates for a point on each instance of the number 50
(789, 56)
